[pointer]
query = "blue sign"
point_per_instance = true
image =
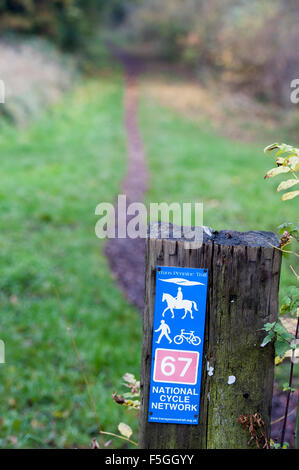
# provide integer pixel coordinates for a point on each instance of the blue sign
(178, 334)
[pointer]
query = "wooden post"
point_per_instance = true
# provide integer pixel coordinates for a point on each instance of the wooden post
(244, 272)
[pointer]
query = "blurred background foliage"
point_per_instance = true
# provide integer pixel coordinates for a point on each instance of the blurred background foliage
(249, 44)
(64, 21)
(67, 22)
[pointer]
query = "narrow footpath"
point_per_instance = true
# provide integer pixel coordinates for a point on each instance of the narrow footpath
(125, 255)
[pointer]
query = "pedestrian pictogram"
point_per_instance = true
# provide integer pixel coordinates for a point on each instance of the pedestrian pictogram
(165, 330)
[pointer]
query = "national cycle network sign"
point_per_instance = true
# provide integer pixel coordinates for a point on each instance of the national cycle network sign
(177, 348)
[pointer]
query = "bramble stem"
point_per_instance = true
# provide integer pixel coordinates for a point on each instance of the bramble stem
(289, 391)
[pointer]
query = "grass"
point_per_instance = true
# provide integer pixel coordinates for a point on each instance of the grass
(189, 163)
(53, 176)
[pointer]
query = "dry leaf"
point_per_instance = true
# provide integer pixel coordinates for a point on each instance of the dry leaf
(290, 195)
(125, 430)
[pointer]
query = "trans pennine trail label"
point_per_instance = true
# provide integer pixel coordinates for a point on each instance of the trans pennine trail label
(178, 333)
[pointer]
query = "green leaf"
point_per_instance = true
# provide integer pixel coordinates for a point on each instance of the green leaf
(282, 333)
(281, 347)
(287, 388)
(267, 339)
(268, 326)
(278, 332)
(285, 308)
(290, 301)
(289, 227)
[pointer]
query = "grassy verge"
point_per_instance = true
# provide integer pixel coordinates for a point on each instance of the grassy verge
(53, 176)
(36, 75)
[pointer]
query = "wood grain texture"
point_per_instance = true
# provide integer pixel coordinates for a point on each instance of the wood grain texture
(244, 272)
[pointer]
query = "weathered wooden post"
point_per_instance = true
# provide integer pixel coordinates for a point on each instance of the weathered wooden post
(244, 272)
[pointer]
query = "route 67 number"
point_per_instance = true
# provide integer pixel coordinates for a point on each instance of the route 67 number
(176, 366)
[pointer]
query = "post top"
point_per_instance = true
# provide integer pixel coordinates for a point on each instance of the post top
(254, 238)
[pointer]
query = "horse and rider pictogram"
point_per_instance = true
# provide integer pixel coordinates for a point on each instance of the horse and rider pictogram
(178, 303)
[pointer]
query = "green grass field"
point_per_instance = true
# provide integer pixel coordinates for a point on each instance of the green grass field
(52, 177)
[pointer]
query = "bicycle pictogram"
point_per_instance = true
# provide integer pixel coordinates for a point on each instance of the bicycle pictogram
(188, 336)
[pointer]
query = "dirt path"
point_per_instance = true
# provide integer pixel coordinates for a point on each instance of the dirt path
(125, 255)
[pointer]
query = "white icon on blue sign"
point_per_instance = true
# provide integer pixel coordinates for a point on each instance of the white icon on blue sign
(165, 330)
(178, 303)
(187, 336)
